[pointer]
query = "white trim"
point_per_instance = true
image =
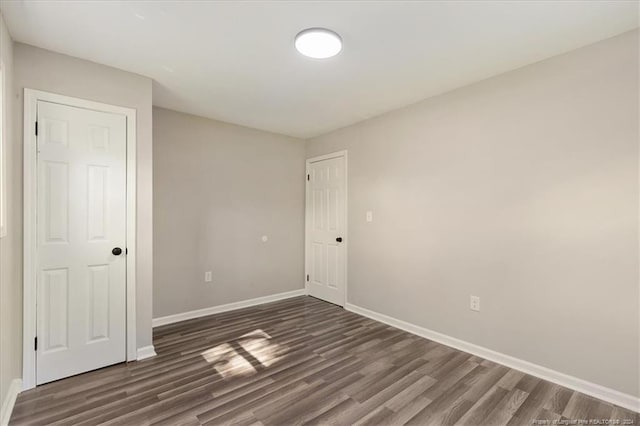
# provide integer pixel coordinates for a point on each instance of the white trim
(601, 392)
(638, 264)
(329, 156)
(170, 319)
(146, 352)
(344, 153)
(31, 98)
(9, 401)
(131, 247)
(4, 140)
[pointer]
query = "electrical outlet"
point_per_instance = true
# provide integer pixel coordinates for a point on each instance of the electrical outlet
(208, 277)
(474, 303)
(369, 216)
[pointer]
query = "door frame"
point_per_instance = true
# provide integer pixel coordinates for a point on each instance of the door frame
(31, 98)
(307, 221)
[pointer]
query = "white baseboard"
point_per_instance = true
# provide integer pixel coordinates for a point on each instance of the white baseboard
(9, 401)
(170, 319)
(146, 352)
(601, 392)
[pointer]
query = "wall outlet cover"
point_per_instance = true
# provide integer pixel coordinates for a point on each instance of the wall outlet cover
(474, 303)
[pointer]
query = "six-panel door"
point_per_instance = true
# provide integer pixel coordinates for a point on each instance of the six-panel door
(326, 217)
(81, 217)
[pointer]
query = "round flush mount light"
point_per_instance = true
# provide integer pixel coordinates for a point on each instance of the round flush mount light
(318, 43)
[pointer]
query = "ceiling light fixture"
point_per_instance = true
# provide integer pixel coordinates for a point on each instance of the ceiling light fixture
(318, 43)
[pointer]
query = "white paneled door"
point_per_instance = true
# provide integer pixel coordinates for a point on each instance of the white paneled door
(81, 237)
(326, 228)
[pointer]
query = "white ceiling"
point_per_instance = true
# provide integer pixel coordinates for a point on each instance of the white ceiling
(235, 61)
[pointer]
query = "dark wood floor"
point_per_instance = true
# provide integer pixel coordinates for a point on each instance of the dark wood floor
(303, 361)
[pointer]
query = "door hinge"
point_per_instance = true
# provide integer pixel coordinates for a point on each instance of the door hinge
(37, 140)
(35, 344)
(307, 277)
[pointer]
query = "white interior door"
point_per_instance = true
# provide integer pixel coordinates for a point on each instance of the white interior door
(326, 229)
(81, 219)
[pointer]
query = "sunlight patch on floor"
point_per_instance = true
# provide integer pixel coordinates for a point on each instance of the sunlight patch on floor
(258, 343)
(245, 355)
(228, 362)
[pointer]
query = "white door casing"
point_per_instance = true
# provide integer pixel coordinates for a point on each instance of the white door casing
(31, 267)
(326, 227)
(81, 284)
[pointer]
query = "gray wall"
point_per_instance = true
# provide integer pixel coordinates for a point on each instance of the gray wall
(11, 244)
(52, 72)
(521, 189)
(218, 188)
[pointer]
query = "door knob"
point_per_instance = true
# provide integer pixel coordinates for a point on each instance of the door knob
(339, 239)
(116, 251)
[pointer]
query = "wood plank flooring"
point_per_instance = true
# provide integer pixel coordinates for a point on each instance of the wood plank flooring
(304, 361)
